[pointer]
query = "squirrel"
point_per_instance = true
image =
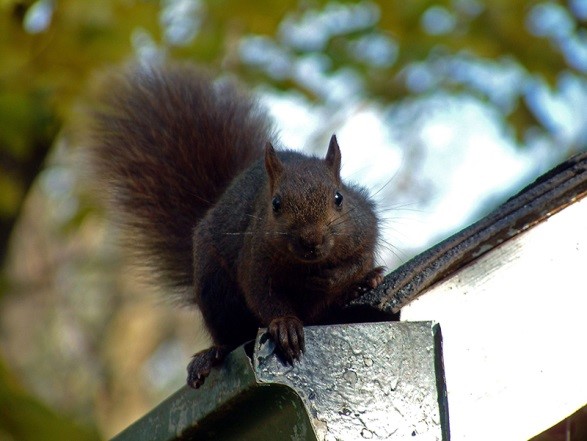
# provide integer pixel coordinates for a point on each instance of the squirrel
(254, 236)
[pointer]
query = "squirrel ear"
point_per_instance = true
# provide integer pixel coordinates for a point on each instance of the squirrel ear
(273, 165)
(333, 156)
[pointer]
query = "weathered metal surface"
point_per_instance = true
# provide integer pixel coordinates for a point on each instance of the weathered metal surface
(514, 332)
(369, 381)
(359, 381)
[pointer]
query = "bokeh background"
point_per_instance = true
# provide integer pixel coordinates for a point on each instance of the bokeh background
(442, 108)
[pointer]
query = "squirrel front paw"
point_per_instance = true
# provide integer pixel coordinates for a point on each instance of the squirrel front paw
(202, 362)
(372, 280)
(288, 334)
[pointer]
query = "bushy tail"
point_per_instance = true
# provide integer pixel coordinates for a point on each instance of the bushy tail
(165, 143)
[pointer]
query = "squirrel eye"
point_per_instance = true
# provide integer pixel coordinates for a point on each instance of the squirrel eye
(276, 202)
(338, 199)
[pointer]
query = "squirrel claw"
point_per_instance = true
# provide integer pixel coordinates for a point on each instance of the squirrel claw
(288, 334)
(202, 362)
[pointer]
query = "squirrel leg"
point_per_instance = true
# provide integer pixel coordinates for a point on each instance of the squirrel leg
(202, 363)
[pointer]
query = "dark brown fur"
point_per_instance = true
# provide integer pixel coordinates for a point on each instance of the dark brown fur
(265, 238)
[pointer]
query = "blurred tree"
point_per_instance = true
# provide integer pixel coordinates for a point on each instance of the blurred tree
(23, 418)
(511, 55)
(47, 50)
(525, 61)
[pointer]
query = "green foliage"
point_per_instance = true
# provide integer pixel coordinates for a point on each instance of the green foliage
(24, 418)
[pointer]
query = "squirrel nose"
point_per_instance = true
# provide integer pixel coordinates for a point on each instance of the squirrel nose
(311, 240)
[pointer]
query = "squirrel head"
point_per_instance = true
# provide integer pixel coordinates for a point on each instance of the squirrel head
(306, 208)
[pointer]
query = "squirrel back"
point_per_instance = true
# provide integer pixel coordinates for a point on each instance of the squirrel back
(166, 141)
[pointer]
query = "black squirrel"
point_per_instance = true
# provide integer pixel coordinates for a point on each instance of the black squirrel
(260, 237)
